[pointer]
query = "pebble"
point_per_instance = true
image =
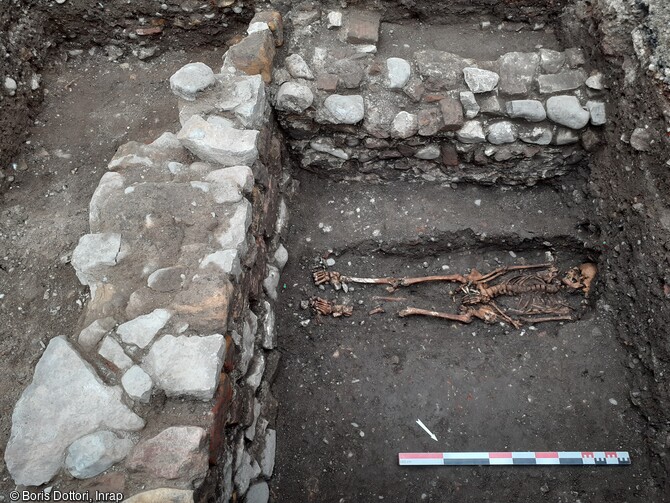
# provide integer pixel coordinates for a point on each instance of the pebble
(10, 85)
(398, 72)
(334, 19)
(613, 401)
(330, 262)
(478, 202)
(348, 109)
(294, 97)
(298, 68)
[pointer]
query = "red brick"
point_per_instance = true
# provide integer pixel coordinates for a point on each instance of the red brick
(449, 155)
(452, 114)
(327, 82)
(430, 121)
(217, 432)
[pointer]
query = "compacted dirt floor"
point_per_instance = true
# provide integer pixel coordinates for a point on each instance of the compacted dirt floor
(351, 389)
(92, 105)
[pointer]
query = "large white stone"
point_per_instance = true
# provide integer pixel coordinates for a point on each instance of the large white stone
(242, 176)
(65, 401)
(113, 352)
(93, 454)
(258, 493)
(348, 109)
(597, 111)
(190, 79)
(404, 125)
(480, 81)
(281, 256)
(234, 233)
(137, 383)
(94, 254)
(218, 144)
(110, 186)
(142, 330)
(540, 135)
(567, 111)
(244, 95)
(186, 366)
(398, 72)
(268, 454)
(470, 105)
(471, 132)
(294, 97)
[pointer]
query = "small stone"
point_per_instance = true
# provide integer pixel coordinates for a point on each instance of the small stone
(490, 105)
(566, 137)
(559, 82)
(429, 152)
(186, 366)
(190, 79)
(441, 69)
(10, 85)
(323, 145)
(567, 111)
(597, 111)
(334, 19)
(177, 452)
(294, 97)
(94, 254)
(595, 82)
(327, 82)
(517, 71)
(93, 334)
(246, 471)
(575, 57)
(363, 27)
(281, 256)
(430, 121)
(531, 110)
(220, 145)
(348, 109)
(540, 135)
(480, 81)
(268, 454)
(113, 352)
(641, 139)
(349, 71)
(404, 125)
(414, 89)
(298, 68)
(502, 132)
(258, 493)
(449, 155)
(551, 61)
(269, 340)
(452, 114)
(92, 454)
(398, 73)
(471, 132)
(613, 401)
(256, 369)
(137, 384)
(470, 104)
(142, 330)
(271, 282)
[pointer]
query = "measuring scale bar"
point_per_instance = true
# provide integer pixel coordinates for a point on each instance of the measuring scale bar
(584, 458)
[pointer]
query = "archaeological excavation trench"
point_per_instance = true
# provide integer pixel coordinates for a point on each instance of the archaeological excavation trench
(244, 248)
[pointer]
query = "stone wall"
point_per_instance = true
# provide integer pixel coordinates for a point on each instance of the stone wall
(166, 387)
(351, 113)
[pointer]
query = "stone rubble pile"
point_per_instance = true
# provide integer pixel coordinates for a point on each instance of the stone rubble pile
(352, 113)
(169, 377)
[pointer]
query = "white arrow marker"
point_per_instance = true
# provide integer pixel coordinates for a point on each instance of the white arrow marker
(425, 428)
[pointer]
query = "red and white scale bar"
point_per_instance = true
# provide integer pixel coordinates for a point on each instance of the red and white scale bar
(514, 458)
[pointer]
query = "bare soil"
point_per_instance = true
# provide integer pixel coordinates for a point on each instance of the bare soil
(91, 107)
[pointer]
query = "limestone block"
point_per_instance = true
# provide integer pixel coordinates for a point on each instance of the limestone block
(443, 69)
(551, 61)
(267, 461)
(298, 67)
(228, 261)
(94, 254)
(167, 279)
(559, 82)
(142, 330)
(233, 236)
(567, 111)
(363, 27)
(348, 109)
(480, 81)
(92, 454)
(597, 111)
(220, 145)
(517, 71)
(255, 372)
(178, 452)
(539, 135)
(191, 79)
(93, 334)
(398, 72)
(502, 132)
(531, 110)
(470, 104)
(110, 186)
(65, 401)
(137, 384)
(186, 366)
(471, 132)
(113, 352)
(294, 97)
(404, 125)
